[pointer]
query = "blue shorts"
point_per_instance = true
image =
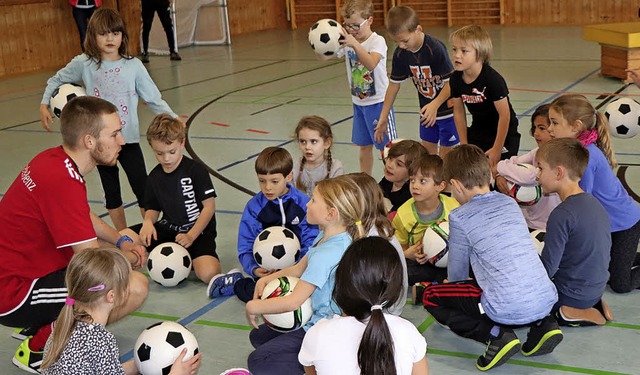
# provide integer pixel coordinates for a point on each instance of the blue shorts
(443, 130)
(365, 119)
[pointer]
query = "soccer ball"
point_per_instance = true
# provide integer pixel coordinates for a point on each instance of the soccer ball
(276, 248)
(387, 147)
(435, 244)
(62, 95)
(538, 239)
(624, 117)
(325, 36)
(160, 344)
(525, 195)
(291, 320)
(169, 264)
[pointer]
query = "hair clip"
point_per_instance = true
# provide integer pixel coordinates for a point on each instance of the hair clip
(96, 288)
(69, 301)
(358, 222)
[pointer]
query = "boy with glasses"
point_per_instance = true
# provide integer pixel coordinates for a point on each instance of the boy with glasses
(365, 55)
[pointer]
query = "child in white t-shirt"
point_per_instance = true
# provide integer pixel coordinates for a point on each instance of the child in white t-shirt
(364, 340)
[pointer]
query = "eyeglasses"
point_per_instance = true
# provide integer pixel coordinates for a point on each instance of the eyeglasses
(354, 26)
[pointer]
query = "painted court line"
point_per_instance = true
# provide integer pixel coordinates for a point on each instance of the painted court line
(518, 362)
(185, 321)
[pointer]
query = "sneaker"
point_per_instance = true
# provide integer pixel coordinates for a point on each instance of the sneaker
(236, 371)
(542, 339)
(604, 309)
(23, 333)
(417, 291)
(222, 284)
(26, 359)
(144, 57)
(574, 317)
(174, 56)
(499, 350)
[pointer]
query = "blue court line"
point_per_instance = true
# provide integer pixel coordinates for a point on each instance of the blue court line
(552, 97)
(186, 320)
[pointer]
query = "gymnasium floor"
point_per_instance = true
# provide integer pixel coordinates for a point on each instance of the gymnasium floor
(244, 97)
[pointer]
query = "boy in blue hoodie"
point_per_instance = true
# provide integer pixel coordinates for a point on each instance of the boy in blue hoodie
(277, 204)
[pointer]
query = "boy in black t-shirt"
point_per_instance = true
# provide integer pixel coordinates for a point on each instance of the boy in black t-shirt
(182, 191)
(424, 60)
(395, 183)
(494, 126)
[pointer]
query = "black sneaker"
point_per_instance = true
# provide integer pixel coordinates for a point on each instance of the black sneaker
(499, 350)
(144, 57)
(23, 333)
(542, 339)
(174, 56)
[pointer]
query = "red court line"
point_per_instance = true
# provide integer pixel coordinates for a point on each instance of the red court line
(257, 131)
(184, 116)
(219, 124)
(571, 92)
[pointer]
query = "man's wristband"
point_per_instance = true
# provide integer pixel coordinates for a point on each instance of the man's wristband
(122, 239)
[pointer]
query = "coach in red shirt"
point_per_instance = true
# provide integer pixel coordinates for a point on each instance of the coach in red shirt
(45, 219)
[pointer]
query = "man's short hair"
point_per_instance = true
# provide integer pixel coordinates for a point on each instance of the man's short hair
(565, 152)
(469, 165)
(274, 160)
(401, 19)
(165, 129)
(429, 166)
(81, 116)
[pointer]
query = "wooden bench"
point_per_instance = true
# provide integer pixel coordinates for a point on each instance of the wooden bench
(620, 47)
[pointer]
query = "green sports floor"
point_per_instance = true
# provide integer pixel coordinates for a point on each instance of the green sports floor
(241, 98)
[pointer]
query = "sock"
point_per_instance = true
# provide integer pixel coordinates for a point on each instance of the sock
(38, 341)
(495, 331)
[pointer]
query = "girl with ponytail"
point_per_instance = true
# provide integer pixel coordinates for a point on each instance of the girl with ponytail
(573, 116)
(366, 340)
(97, 282)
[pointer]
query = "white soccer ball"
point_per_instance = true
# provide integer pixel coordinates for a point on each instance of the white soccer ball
(169, 264)
(525, 195)
(624, 117)
(291, 320)
(325, 36)
(435, 244)
(276, 248)
(160, 344)
(538, 239)
(61, 96)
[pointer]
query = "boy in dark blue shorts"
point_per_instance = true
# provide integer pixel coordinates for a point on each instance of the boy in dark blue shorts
(182, 191)
(424, 59)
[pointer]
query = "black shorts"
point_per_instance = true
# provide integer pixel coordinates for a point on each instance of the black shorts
(205, 244)
(42, 305)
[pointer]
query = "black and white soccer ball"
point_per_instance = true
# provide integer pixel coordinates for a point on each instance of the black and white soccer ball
(62, 95)
(276, 248)
(325, 36)
(169, 264)
(538, 239)
(160, 344)
(525, 195)
(624, 117)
